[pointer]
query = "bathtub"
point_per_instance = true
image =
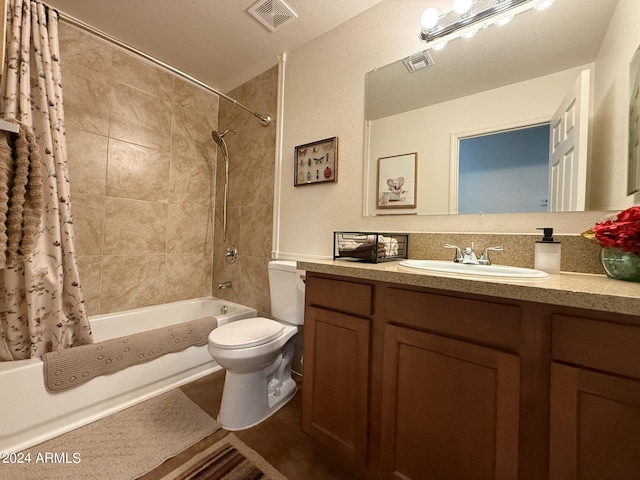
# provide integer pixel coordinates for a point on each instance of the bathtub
(30, 415)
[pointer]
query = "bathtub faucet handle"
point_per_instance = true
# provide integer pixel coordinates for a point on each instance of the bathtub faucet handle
(224, 285)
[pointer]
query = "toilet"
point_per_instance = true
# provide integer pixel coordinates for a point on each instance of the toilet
(257, 352)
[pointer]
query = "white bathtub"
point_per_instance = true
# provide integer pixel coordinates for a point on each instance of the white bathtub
(30, 415)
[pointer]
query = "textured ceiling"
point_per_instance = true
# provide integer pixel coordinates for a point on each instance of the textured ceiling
(215, 41)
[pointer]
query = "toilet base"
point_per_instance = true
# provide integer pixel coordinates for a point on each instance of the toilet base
(246, 403)
(250, 398)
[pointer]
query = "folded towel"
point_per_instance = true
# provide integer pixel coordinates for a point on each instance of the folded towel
(21, 195)
(391, 245)
(365, 251)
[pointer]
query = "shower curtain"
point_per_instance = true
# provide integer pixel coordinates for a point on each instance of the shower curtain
(41, 303)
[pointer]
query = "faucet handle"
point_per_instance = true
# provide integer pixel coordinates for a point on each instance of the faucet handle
(458, 258)
(484, 259)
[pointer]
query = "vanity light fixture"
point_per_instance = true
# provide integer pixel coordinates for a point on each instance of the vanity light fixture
(469, 17)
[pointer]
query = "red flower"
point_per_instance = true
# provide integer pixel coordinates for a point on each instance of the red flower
(629, 215)
(623, 231)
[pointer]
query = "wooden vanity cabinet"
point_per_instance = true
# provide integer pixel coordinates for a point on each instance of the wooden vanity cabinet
(451, 387)
(336, 386)
(450, 409)
(595, 398)
(414, 383)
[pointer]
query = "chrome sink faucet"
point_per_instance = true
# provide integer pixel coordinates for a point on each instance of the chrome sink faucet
(458, 256)
(468, 256)
(484, 259)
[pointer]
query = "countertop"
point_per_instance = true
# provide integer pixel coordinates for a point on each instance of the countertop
(580, 290)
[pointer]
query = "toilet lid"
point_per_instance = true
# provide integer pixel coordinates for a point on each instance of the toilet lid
(249, 332)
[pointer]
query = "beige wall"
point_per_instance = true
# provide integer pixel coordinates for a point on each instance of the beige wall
(250, 201)
(329, 101)
(141, 164)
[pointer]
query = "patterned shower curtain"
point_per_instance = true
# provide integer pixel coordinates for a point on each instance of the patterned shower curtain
(41, 303)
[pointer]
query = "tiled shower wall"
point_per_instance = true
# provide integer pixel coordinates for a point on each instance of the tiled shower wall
(250, 197)
(141, 164)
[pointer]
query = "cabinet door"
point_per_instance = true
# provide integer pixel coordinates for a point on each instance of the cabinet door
(595, 425)
(336, 382)
(450, 409)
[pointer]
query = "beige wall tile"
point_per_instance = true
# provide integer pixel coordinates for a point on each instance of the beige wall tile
(192, 97)
(190, 179)
(87, 161)
(142, 75)
(88, 223)
(250, 215)
(90, 269)
(260, 93)
(132, 281)
(137, 172)
(260, 167)
(86, 103)
(189, 228)
(140, 118)
(256, 226)
(240, 171)
(188, 276)
(82, 53)
(233, 226)
(143, 171)
(133, 227)
(191, 133)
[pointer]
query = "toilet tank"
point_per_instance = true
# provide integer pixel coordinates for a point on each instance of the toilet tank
(287, 291)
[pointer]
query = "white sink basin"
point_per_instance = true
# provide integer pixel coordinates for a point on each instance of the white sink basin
(502, 271)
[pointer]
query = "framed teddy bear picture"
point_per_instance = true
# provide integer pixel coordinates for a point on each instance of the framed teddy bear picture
(397, 178)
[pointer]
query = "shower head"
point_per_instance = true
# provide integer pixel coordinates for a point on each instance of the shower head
(219, 137)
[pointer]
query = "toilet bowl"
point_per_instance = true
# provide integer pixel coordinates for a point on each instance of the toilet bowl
(257, 353)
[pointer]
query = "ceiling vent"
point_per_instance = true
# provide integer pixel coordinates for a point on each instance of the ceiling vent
(272, 13)
(418, 61)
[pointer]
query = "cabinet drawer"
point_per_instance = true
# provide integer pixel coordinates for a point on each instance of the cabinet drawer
(486, 322)
(605, 346)
(347, 297)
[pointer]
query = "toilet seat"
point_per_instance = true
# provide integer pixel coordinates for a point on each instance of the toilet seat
(249, 332)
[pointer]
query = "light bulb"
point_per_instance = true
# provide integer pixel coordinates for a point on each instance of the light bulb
(461, 7)
(544, 5)
(429, 18)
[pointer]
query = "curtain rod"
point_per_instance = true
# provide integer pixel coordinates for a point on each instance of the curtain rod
(265, 120)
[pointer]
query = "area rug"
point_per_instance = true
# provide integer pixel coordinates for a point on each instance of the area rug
(229, 459)
(123, 446)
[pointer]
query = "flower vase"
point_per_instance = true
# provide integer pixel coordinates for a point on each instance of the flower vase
(620, 265)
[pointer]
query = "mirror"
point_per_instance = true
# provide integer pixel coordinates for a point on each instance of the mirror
(505, 78)
(633, 177)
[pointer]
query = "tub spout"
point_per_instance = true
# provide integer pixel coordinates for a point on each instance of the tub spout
(224, 285)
